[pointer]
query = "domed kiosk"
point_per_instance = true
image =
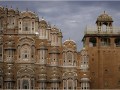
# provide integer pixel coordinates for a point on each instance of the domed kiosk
(104, 22)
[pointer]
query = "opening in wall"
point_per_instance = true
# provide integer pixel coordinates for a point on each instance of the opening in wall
(105, 42)
(117, 42)
(92, 42)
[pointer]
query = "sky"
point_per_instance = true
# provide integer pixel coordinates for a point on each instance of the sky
(71, 17)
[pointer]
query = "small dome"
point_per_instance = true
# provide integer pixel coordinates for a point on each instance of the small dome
(54, 50)
(104, 18)
(55, 29)
(43, 23)
(60, 34)
(11, 11)
(37, 18)
(69, 43)
(28, 14)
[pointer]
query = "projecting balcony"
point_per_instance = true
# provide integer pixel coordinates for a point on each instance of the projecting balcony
(94, 30)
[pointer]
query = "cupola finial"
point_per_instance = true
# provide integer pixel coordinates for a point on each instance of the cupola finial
(104, 12)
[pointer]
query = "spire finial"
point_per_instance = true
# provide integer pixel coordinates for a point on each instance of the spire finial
(104, 12)
(16, 8)
(69, 38)
(11, 6)
(42, 18)
(26, 9)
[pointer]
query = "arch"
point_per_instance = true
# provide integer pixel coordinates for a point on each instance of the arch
(69, 74)
(26, 44)
(25, 84)
(25, 72)
(117, 42)
(25, 52)
(27, 40)
(69, 80)
(25, 78)
(105, 41)
(70, 57)
(92, 42)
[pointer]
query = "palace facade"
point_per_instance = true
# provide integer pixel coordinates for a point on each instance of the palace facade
(33, 56)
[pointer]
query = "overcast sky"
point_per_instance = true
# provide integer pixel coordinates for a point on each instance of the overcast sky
(70, 16)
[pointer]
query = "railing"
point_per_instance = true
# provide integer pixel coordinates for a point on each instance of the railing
(94, 30)
(26, 32)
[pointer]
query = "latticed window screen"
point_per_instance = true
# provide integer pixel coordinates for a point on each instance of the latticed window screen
(69, 57)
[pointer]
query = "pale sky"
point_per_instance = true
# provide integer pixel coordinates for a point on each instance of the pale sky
(71, 17)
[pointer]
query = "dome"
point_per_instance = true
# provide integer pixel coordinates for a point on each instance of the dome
(104, 18)
(54, 50)
(69, 43)
(11, 11)
(43, 23)
(28, 14)
(60, 34)
(55, 28)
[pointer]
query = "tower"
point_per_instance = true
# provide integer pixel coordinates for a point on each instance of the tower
(103, 45)
(85, 79)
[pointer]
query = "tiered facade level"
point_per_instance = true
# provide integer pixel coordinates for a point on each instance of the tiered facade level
(32, 55)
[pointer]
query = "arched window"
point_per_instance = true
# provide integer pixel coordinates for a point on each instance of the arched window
(42, 85)
(92, 42)
(69, 80)
(26, 25)
(25, 84)
(25, 78)
(104, 27)
(117, 42)
(25, 52)
(11, 22)
(70, 58)
(105, 42)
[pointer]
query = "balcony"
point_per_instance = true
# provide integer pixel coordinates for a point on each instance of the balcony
(26, 32)
(94, 30)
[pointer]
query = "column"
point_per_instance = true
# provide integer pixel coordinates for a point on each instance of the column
(81, 85)
(47, 31)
